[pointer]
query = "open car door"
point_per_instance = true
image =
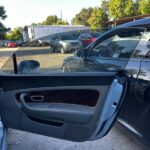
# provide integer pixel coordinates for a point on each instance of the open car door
(75, 107)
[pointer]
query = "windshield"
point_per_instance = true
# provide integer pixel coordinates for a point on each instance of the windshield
(67, 37)
(95, 34)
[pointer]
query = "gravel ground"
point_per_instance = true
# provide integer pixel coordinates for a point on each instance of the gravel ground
(115, 140)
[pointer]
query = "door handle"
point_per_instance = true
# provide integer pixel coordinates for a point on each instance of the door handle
(37, 98)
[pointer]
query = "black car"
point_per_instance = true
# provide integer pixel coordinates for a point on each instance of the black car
(84, 104)
(127, 48)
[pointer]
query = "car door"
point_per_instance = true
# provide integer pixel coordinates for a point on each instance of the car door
(55, 41)
(70, 106)
(110, 52)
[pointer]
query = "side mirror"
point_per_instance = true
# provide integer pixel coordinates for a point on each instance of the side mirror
(28, 67)
(81, 53)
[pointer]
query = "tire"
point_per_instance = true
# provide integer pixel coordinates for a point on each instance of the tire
(62, 50)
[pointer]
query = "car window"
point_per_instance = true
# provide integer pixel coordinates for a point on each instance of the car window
(96, 35)
(120, 44)
(67, 37)
(6, 62)
(148, 55)
(109, 54)
(86, 36)
(55, 38)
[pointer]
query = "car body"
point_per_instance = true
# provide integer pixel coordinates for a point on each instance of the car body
(135, 114)
(88, 38)
(12, 44)
(64, 43)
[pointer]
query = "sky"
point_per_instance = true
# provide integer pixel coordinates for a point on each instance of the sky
(25, 12)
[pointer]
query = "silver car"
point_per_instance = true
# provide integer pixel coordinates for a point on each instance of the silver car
(64, 43)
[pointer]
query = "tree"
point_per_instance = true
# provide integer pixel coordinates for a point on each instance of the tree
(50, 20)
(105, 6)
(16, 34)
(136, 7)
(2, 13)
(3, 29)
(61, 22)
(98, 18)
(130, 8)
(54, 20)
(82, 17)
(144, 6)
(36, 24)
(121, 8)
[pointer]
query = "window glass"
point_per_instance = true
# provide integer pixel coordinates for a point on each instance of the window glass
(120, 44)
(45, 56)
(6, 61)
(55, 38)
(67, 37)
(144, 45)
(117, 48)
(148, 55)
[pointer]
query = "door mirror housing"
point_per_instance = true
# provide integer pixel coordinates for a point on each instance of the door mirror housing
(28, 66)
(81, 53)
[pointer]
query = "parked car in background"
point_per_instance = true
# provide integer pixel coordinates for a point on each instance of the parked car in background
(64, 43)
(12, 44)
(127, 47)
(88, 38)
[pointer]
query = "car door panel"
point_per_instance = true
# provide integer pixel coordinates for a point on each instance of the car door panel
(76, 107)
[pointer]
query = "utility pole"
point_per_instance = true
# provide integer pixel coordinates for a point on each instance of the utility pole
(60, 14)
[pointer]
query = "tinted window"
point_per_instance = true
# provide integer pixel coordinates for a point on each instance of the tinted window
(95, 34)
(148, 55)
(120, 44)
(86, 36)
(67, 37)
(55, 38)
(115, 49)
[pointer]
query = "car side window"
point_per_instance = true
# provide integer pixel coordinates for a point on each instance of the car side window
(148, 55)
(120, 44)
(55, 38)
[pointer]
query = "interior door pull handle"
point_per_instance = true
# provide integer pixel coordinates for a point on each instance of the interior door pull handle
(37, 98)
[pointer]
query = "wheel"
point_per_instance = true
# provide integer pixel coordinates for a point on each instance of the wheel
(62, 50)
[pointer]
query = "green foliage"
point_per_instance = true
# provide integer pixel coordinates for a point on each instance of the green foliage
(16, 34)
(82, 17)
(122, 8)
(3, 29)
(129, 8)
(2, 13)
(36, 24)
(98, 18)
(144, 6)
(105, 6)
(54, 20)
(61, 22)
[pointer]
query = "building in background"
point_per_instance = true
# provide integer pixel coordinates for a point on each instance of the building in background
(31, 33)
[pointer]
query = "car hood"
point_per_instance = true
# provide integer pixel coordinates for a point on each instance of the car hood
(71, 41)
